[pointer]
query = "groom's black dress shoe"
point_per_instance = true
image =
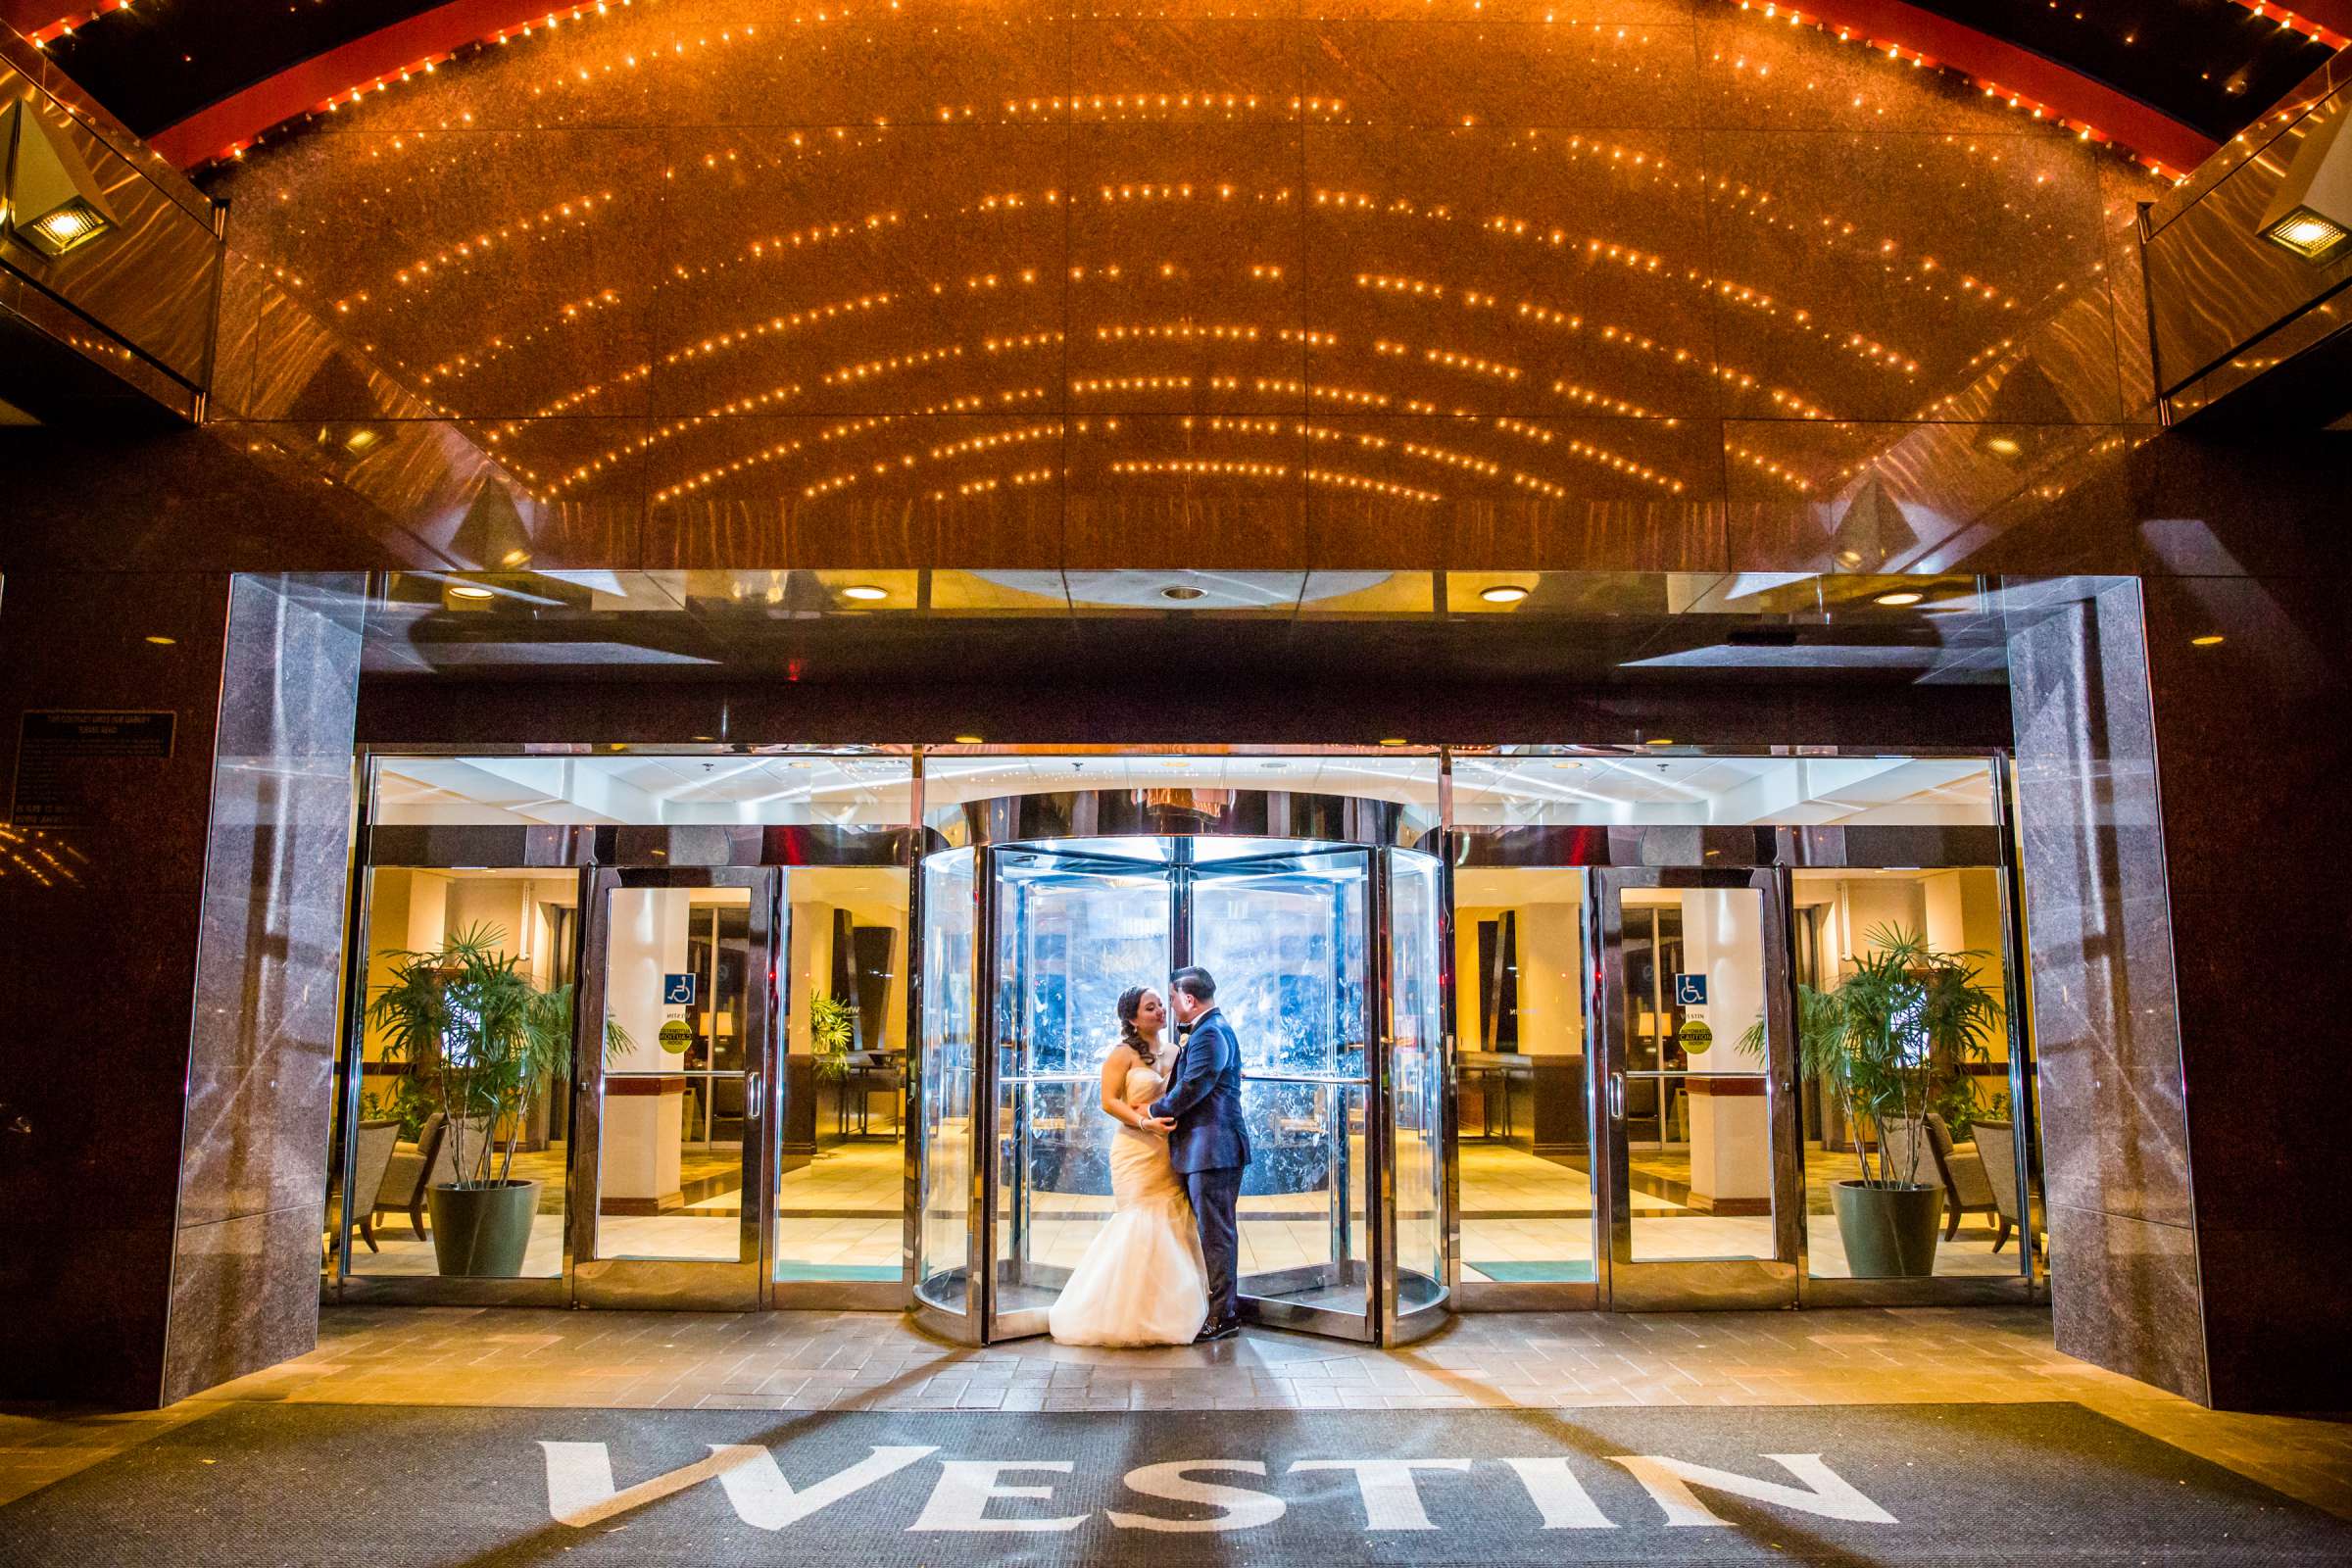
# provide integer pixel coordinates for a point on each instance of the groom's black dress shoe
(1218, 1331)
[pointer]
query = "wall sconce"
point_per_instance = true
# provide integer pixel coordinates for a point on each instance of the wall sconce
(2312, 214)
(51, 200)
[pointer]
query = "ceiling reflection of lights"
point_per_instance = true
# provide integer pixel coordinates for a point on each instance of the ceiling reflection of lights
(2212, 639)
(864, 591)
(1503, 594)
(1897, 600)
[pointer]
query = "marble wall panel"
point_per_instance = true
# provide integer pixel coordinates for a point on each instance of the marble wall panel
(497, 274)
(2100, 940)
(1185, 266)
(2125, 1294)
(974, 489)
(252, 1170)
(1570, 72)
(93, 1125)
(1188, 69)
(1176, 490)
(882, 270)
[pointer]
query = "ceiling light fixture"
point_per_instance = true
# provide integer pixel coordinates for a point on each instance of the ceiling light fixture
(1660, 741)
(2212, 639)
(1899, 599)
(2311, 213)
(1183, 595)
(165, 642)
(970, 740)
(1503, 594)
(864, 590)
(468, 590)
(50, 200)
(2002, 446)
(1395, 740)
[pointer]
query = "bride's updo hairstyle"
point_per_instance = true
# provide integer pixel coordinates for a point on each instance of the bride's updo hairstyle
(1131, 1002)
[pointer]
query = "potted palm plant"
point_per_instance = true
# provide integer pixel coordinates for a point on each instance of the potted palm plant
(1891, 1041)
(467, 1022)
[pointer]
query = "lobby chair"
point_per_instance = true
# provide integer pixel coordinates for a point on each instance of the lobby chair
(1997, 1143)
(1957, 1166)
(371, 1159)
(419, 1166)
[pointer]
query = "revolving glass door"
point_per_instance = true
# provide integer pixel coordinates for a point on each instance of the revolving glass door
(1326, 959)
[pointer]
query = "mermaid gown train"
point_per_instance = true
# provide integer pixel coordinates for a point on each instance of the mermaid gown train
(1142, 1280)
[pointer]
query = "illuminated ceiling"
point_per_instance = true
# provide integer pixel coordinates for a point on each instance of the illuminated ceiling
(707, 279)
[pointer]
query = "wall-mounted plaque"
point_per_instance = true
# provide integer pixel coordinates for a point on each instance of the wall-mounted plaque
(62, 752)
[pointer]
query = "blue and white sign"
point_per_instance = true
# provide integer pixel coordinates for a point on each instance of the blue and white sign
(1689, 990)
(677, 991)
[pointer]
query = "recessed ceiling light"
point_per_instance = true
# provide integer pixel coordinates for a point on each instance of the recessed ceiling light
(803, 762)
(1395, 740)
(2002, 446)
(514, 557)
(705, 737)
(864, 590)
(1510, 593)
(1661, 741)
(165, 642)
(1183, 595)
(2211, 639)
(1567, 764)
(970, 740)
(468, 590)
(1900, 598)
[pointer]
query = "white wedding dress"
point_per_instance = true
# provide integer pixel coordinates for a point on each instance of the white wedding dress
(1142, 1280)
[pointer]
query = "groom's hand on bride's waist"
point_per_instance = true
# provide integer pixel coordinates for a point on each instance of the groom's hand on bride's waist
(1159, 1124)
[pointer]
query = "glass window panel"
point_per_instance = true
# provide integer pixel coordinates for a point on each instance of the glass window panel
(840, 1185)
(1417, 1071)
(669, 1154)
(1968, 1146)
(947, 1040)
(1697, 1124)
(1526, 1132)
(404, 1144)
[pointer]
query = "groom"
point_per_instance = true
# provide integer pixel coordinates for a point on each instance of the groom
(1209, 1148)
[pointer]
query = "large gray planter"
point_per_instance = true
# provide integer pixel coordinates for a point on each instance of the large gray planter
(483, 1231)
(1889, 1232)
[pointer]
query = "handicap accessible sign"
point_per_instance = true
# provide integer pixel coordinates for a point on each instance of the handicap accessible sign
(1689, 990)
(677, 990)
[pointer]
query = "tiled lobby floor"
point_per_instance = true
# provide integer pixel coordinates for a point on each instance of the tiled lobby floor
(874, 1360)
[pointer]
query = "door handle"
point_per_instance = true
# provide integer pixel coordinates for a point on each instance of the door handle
(1616, 1097)
(752, 1085)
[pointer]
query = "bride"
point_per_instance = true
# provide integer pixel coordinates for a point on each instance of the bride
(1142, 1280)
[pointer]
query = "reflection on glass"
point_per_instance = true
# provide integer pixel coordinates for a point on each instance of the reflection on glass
(1524, 1142)
(1417, 1071)
(1071, 935)
(1697, 1118)
(841, 1183)
(950, 972)
(1968, 1143)
(670, 1136)
(402, 1144)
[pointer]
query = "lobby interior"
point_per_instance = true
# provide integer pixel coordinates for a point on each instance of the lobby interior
(639, 482)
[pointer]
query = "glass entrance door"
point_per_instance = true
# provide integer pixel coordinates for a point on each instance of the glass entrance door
(675, 1050)
(1327, 964)
(1702, 1178)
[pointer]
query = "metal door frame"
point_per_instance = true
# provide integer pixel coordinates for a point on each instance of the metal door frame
(675, 1283)
(1630, 1284)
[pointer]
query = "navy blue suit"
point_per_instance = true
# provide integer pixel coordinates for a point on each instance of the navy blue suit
(1210, 1149)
